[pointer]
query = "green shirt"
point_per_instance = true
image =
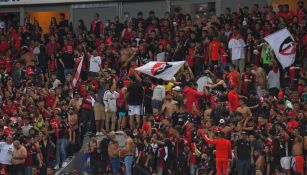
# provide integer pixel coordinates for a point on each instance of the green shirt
(266, 54)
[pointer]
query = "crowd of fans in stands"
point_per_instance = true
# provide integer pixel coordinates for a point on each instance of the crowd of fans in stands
(231, 86)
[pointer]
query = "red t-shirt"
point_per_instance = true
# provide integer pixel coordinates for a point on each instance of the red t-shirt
(190, 58)
(223, 147)
(234, 78)
(50, 101)
(191, 97)
(233, 99)
(214, 45)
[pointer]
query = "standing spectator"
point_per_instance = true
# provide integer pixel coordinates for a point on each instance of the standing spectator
(61, 129)
(110, 98)
(62, 24)
(6, 153)
(192, 98)
(274, 81)
(93, 150)
(223, 152)
(97, 26)
(127, 152)
(87, 112)
(249, 84)
(95, 64)
(67, 61)
(134, 100)
(243, 154)
(52, 47)
(158, 97)
(236, 47)
(214, 47)
(99, 108)
(18, 158)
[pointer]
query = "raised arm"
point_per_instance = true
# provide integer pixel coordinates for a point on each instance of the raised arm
(208, 140)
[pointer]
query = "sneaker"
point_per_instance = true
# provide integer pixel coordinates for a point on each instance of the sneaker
(56, 167)
(64, 164)
(97, 133)
(100, 133)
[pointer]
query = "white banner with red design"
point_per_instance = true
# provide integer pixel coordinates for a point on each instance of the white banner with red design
(284, 47)
(77, 73)
(161, 70)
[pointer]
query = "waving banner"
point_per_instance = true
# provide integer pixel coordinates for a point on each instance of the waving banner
(284, 47)
(161, 70)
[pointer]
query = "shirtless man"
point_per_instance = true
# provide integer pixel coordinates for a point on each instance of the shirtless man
(258, 160)
(76, 102)
(208, 111)
(127, 152)
(73, 129)
(18, 158)
(169, 106)
(297, 152)
(261, 79)
(127, 54)
(113, 152)
(243, 109)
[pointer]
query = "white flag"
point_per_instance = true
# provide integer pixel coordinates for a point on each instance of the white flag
(161, 70)
(284, 47)
(77, 73)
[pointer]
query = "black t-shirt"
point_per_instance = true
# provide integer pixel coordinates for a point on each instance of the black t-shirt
(68, 60)
(135, 94)
(243, 149)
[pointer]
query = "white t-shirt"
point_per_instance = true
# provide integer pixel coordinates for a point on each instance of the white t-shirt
(161, 56)
(110, 100)
(158, 93)
(202, 82)
(95, 63)
(6, 153)
(274, 79)
(237, 48)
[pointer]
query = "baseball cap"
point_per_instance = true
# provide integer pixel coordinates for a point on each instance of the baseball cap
(222, 121)
(176, 88)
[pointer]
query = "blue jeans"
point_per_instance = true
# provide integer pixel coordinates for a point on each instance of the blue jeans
(243, 166)
(128, 165)
(28, 170)
(115, 164)
(61, 152)
(192, 169)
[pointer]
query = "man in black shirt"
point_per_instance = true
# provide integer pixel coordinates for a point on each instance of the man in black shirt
(243, 153)
(134, 100)
(67, 61)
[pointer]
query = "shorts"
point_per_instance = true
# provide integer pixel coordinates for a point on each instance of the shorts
(299, 164)
(93, 74)
(99, 111)
(285, 163)
(134, 110)
(122, 114)
(156, 104)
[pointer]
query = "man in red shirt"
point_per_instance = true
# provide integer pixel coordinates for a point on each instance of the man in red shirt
(223, 152)
(192, 98)
(233, 98)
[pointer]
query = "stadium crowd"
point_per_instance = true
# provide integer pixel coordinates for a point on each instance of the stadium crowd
(231, 108)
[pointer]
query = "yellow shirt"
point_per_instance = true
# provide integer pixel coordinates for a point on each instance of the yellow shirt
(169, 86)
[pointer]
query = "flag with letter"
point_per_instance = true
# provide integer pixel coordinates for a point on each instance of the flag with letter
(284, 46)
(77, 73)
(161, 70)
